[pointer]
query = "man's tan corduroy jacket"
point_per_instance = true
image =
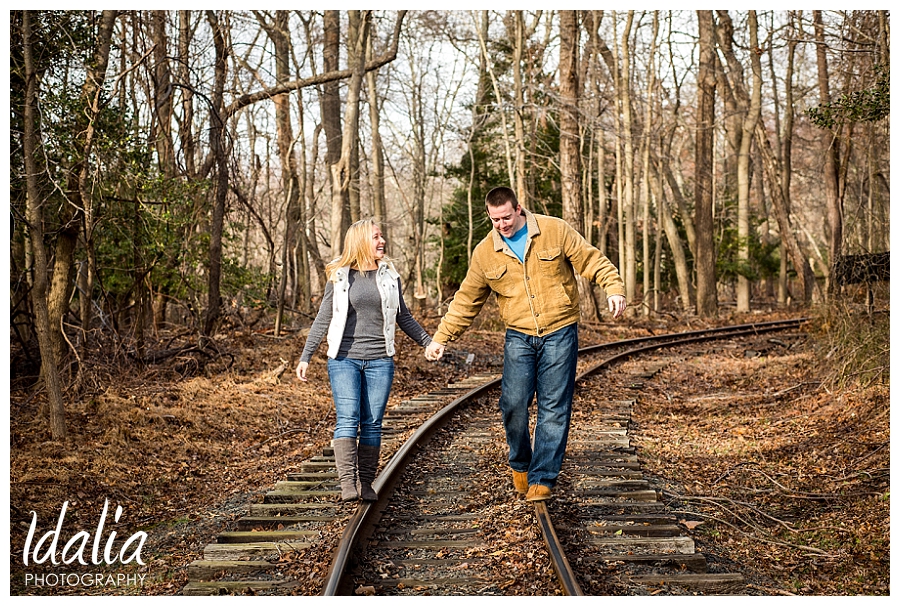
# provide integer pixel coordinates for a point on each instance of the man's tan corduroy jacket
(537, 296)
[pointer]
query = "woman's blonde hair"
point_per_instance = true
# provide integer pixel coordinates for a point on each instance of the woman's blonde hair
(357, 251)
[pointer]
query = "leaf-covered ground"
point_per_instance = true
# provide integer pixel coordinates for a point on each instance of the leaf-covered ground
(782, 480)
(788, 477)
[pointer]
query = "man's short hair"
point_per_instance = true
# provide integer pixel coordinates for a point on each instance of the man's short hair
(500, 196)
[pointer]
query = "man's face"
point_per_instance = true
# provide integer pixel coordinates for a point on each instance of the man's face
(505, 219)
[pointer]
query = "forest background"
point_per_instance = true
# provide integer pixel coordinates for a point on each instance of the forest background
(177, 177)
(192, 170)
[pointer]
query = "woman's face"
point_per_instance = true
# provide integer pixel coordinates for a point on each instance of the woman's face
(377, 244)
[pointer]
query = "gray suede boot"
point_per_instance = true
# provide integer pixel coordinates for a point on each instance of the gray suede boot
(345, 455)
(368, 468)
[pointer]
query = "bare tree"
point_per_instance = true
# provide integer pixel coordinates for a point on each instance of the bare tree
(330, 99)
(379, 209)
(278, 31)
(705, 254)
(774, 173)
(164, 108)
(80, 208)
(646, 138)
(748, 104)
(355, 56)
(830, 148)
(31, 138)
(569, 123)
(341, 169)
(217, 145)
(619, 62)
(570, 142)
(416, 104)
(517, 38)
(482, 36)
(682, 271)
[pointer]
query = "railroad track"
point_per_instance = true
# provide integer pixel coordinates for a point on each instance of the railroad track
(443, 475)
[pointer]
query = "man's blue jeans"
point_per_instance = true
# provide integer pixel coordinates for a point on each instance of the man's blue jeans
(545, 367)
(360, 389)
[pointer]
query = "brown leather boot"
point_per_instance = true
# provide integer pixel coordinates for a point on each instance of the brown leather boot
(345, 458)
(368, 468)
(538, 492)
(520, 481)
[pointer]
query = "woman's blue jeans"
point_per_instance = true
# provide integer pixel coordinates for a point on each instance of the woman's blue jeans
(360, 389)
(543, 367)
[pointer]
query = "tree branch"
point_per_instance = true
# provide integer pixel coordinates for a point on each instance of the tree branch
(331, 76)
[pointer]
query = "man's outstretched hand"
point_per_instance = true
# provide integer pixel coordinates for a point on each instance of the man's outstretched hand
(617, 305)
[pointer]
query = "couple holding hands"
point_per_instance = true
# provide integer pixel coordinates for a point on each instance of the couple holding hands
(529, 262)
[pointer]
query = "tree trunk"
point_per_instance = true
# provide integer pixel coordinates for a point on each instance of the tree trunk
(705, 256)
(477, 118)
(626, 201)
(354, 56)
(748, 105)
(779, 204)
(185, 37)
(217, 145)
(498, 99)
(570, 143)
(30, 141)
(419, 175)
(657, 269)
(682, 269)
(163, 107)
(517, 38)
(602, 196)
(569, 123)
(310, 231)
(830, 148)
(784, 151)
(749, 125)
(645, 161)
(80, 193)
(744, 165)
(280, 35)
(379, 207)
(340, 170)
(331, 120)
(303, 293)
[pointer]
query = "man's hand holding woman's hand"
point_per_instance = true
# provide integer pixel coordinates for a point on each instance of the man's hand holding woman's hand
(434, 351)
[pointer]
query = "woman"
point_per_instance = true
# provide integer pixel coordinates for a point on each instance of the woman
(358, 316)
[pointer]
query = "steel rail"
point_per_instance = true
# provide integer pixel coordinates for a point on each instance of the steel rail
(564, 573)
(555, 550)
(367, 513)
(760, 327)
(698, 336)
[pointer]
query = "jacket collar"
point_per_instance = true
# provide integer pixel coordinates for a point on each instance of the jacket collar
(533, 230)
(387, 266)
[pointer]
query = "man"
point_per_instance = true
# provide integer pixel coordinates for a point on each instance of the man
(529, 262)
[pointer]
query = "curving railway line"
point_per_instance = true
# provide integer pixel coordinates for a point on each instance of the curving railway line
(433, 530)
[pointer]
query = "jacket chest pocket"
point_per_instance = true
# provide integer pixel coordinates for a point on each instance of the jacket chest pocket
(500, 281)
(550, 261)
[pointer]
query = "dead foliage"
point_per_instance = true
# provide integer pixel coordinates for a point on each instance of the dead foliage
(784, 479)
(184, 444)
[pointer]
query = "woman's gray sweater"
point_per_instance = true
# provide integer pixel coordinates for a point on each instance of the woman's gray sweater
(363, 334)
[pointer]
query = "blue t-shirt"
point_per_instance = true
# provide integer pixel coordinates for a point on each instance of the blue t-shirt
(517, 242)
